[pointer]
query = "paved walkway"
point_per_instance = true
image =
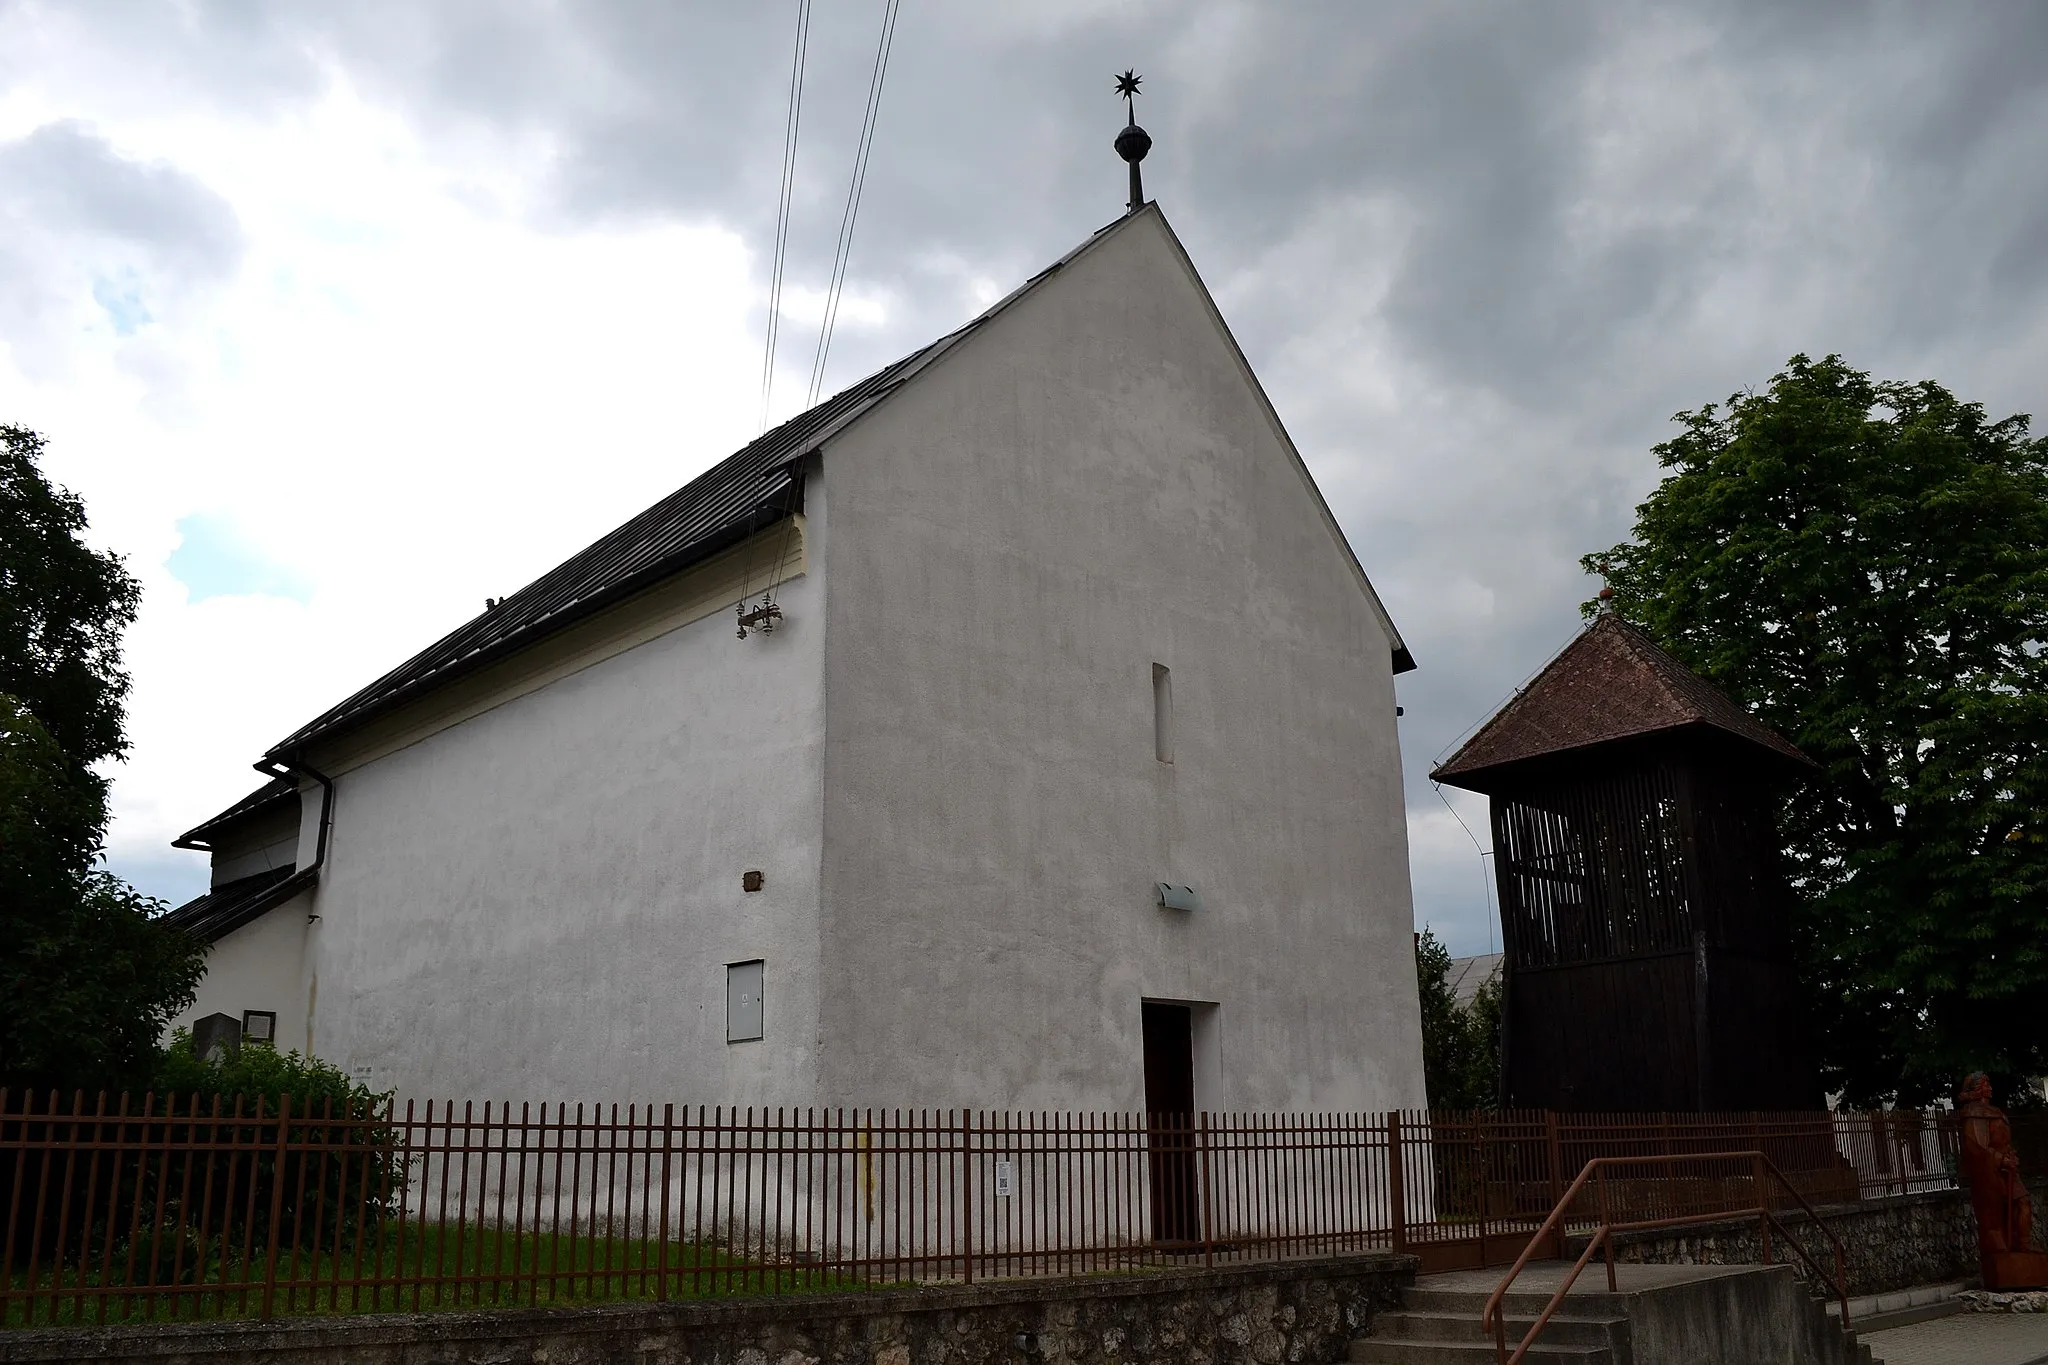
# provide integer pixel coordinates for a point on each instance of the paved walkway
(1965, 1339)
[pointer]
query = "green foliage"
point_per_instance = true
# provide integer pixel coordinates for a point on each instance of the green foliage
(1460, 1044)
(63, 606)
(88, 979)
(1864, 565)
(192, 1198)
(49, 820)
(259, 1072)
(88, 986)
(426, 1267)
(319, 1195)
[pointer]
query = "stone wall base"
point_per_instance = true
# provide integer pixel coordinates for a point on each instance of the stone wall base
(1890, 1244)
(1295, 1313)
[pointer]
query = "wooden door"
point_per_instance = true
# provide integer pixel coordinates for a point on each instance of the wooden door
(1170, 1122)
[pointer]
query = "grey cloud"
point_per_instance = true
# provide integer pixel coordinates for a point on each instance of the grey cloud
(230, 55)
(65, 177)
(78, 216)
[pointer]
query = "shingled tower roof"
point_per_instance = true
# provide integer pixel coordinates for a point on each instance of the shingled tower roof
(1611, 683)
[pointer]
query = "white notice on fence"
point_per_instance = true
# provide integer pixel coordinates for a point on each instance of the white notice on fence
(1005, 1178)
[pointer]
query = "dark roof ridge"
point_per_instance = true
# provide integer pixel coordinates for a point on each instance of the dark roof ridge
(227, 907)
(273, 792)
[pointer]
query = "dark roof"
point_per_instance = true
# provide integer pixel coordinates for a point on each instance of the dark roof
(228, 907)
(278, 791)
(744, 492)
(1611, 683)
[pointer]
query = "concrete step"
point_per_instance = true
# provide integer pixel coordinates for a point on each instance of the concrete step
(1415, 1324)
(1899, 1307)
(1525, 1304)
(1396, 1351)
(1828, 1313)
(1904, 1317)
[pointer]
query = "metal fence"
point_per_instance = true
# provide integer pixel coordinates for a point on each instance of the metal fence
(122, 1210)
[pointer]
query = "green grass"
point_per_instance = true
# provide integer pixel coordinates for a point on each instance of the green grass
(436, 1268)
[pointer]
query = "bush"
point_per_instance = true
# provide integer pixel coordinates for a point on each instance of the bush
(339, 1164)
(259, 1071)
(178, 1198)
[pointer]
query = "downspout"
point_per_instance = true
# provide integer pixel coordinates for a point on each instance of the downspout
(273, 767)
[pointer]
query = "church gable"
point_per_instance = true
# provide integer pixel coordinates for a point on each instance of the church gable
(1106, 396)
(1248, 389)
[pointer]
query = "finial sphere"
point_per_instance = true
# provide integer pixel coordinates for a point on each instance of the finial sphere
(1133, 142)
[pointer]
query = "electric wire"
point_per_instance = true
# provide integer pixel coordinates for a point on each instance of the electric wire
(792, 123)
(1486, 898)
(843, 250)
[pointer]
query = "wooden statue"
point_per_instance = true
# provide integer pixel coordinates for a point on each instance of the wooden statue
(2005, 1212)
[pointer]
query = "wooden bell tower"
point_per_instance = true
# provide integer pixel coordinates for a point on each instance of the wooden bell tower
(1643, 906)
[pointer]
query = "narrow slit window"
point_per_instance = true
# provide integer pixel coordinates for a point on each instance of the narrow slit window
(1162, 713)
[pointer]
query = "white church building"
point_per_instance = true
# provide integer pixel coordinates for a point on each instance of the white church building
(1056, 769)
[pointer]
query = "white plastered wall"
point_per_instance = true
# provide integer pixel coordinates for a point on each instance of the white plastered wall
(260, 966)
(1088, 485)
(539, 901)
(262, 845)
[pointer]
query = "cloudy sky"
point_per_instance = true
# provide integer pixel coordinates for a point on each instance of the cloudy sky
(345, 317)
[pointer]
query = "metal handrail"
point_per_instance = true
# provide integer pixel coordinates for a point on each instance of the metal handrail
(1494, 1315)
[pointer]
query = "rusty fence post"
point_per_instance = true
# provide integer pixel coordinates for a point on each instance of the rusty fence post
(1763, 1205)
(1479, 1127)
(1208, 1195)
(668, 1129)
(967, 1194)
(1606, 1230)
(1397, 1182)
(284, 1116)
(1554, 1151)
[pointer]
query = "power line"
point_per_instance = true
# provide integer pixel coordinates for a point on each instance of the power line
(844, 248)
(1486, 902)
(792, 121)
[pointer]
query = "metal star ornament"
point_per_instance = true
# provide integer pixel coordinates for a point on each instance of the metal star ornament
(1127, 85)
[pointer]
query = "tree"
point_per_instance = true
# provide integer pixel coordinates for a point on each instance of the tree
(63, 606)
(1864, 565)
(88, 979)
(1460, 1044)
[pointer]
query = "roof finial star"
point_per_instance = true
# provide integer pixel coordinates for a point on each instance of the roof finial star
(1127, 85)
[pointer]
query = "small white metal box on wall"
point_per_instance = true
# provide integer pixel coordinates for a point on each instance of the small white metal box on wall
(744, 1016)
